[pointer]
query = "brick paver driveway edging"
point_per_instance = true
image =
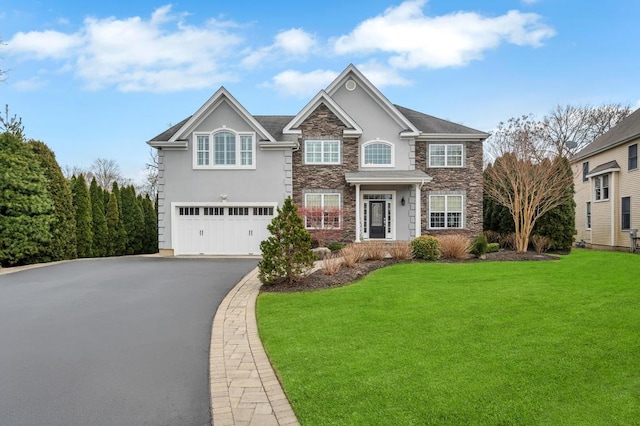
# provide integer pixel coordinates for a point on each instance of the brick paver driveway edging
(244, 387)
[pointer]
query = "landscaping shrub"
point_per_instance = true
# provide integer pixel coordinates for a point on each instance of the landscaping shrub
(375, 250)
(492, 236)
(479, 246)
(426, 247)
(287, 252)
(401, 250)
(454, 246)
(331, 265)
(541, 243)
(352, 254)
(493, 247)
(508, 241)
(335, 246)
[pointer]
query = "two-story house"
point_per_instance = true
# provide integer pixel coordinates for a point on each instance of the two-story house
(607, 187)
(392, 173)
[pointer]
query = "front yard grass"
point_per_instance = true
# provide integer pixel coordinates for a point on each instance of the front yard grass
(464, 343)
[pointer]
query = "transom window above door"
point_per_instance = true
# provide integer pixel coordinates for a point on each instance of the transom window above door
(377, 154)
(446, 155)
(321, 151)
(224, 148)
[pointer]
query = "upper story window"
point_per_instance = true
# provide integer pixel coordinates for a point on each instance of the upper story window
(224, 148)
(377, 154)
(445, 155)
(322, 151)
(601, 187)
(633, 156)
(585, 171)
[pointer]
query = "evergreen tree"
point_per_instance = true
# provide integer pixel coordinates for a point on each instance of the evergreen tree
(117, 237)
(84, 223)
(115, 190)
(63, 228)
(100, 231)
(26, 209)
(150, 239)
(133, 220)
(286, 254)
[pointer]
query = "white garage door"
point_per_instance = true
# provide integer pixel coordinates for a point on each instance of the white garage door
(221, 230)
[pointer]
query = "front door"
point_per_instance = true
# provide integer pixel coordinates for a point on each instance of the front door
(377, 223)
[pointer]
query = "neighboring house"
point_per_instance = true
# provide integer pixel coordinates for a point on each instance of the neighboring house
(378, 171)
(607, 185)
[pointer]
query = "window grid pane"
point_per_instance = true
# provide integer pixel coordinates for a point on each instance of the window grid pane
(202, 150)
(445, 211)
(377, 153)
(246, 150)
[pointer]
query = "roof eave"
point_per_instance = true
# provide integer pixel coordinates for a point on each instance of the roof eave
(453, 136)
(600, 150)
(603, 172)
(279, 145)
(169, 146)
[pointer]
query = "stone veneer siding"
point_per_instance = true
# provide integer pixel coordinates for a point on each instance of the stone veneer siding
(323, 124)
(467, 179)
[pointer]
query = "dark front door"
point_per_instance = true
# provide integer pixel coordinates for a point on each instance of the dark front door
(376, 224)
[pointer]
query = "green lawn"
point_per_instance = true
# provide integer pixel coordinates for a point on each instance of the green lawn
(542, 343)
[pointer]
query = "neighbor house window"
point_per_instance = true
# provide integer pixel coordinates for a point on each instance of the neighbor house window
(625, 219)
(588, 214)
(585, 171)
(633, 156)
(322, 151)
(224, 149)
(445, 211)
(445, 155)
(601, 187)
(322, 211)
(377, 154)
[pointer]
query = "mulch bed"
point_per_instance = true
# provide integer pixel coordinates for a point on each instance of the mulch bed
(318, 280)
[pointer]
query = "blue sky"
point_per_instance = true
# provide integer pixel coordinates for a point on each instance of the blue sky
(99, 79)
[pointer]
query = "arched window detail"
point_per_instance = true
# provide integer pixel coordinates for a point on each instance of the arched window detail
(377, 154)
(224, 148)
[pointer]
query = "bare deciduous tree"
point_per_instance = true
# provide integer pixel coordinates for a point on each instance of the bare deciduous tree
(106, 171)
(151, 174)
(528, 189)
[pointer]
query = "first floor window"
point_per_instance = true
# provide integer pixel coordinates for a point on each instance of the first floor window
(601, 187)
(445, 211)
(322, 211)
(588, 214)
(322, 151)
(625, 220)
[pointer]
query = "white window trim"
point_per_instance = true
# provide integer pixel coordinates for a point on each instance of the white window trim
(463, 212)
(600, 178)
(322, 162)
(322, 195)
(446, 158)
(212, 164)
(393, 154)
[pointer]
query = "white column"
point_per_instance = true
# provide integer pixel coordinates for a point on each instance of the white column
(418, 210)
(357, 212)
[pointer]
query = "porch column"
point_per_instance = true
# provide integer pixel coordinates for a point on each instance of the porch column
(357, 212)
(418, 210)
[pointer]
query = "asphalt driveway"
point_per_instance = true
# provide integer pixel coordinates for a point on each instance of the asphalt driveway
(119, 341)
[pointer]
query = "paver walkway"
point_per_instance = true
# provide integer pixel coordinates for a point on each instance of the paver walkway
(244, 387)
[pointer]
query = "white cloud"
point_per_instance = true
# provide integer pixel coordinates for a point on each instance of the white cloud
(290, 44)
(295, 83)
(31, 84)
(162, 53)
(414, 40)
(381, 75)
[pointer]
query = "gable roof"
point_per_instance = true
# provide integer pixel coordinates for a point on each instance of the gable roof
(167, 134)
(410, 129)
(428, 124)
(322, 98)
(274, 123)
(222, 95)
(625, 131)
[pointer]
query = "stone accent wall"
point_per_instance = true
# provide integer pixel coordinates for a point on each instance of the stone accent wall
(322, 123)
(467, 179)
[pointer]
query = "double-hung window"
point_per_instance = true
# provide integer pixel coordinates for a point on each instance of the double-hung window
(445, 211)
(625, 220)
(224, 148)
(633, 156)
(322, 211)
(322, 151)
(377, 154)
(446, 155)
(601, 187)
(588, 214)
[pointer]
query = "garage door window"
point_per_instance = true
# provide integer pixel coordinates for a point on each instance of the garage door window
(263, 211)
(214, 211)
(238, 211)
(189, 211)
